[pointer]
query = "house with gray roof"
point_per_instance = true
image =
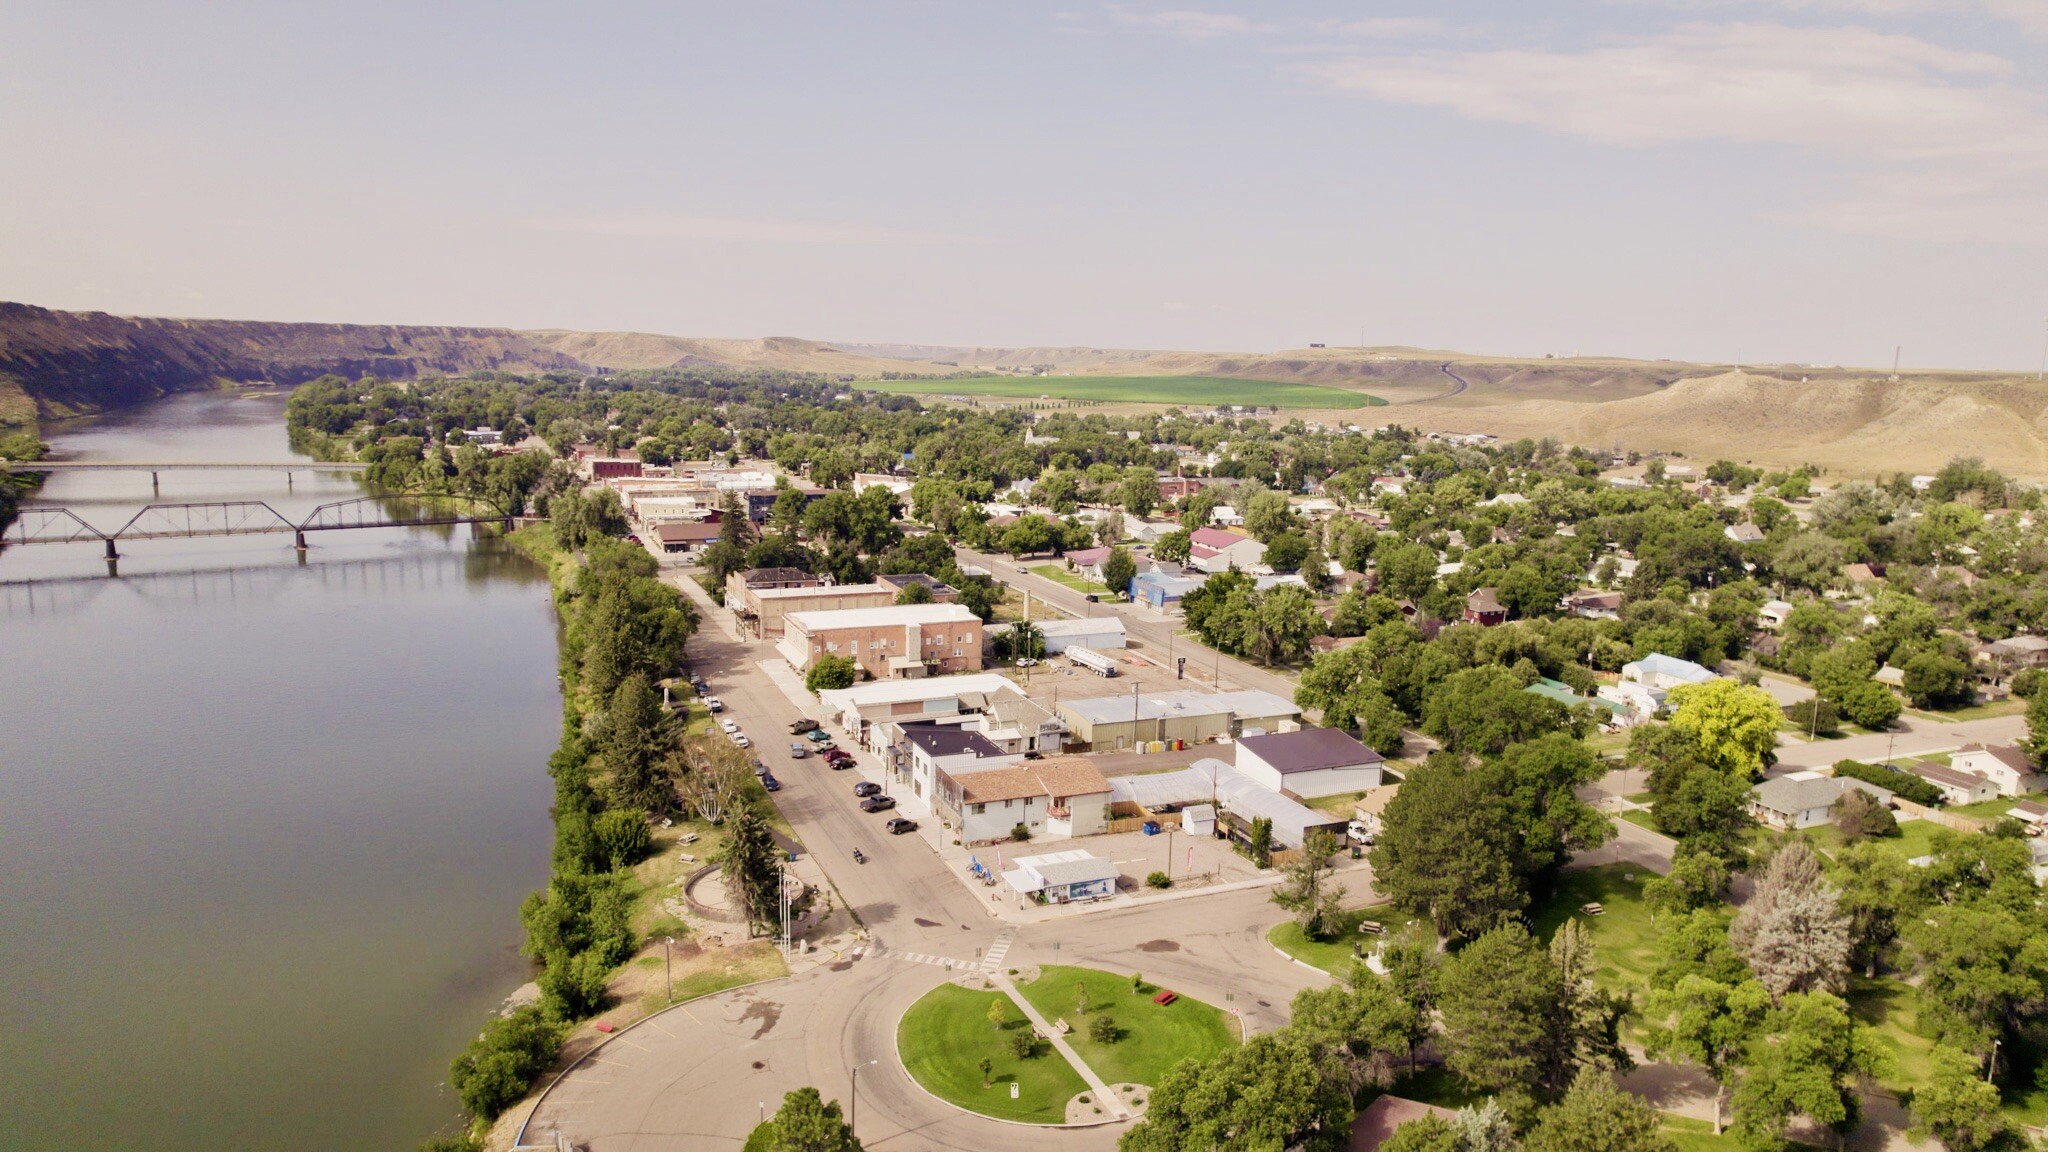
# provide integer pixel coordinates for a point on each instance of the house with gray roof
(1806, 799)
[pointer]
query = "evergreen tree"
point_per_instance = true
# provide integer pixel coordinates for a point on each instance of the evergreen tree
(805, 1122)
(1596, 1116)
(1793, 931)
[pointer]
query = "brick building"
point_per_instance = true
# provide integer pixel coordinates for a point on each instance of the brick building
(901, 640)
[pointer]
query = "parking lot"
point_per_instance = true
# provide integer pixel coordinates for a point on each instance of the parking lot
(1139, 666)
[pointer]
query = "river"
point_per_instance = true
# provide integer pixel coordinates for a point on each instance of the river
(265, 823)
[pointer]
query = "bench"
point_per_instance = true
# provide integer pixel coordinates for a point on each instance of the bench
(1372, 927)
(1592, 909)
(1165, 997)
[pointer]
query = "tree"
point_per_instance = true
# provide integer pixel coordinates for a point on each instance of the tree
(1448, 851)
(1858, 815)
(1585, 1029)
(1877, 887)
(1407, 569)
(1734, 725)
(1429, 1134)
(752, 867)
(1140, 491)
(1792, 931)
(998, 1015)
(1483, 710)
(1539, 781)
(805, 1122)
(1707, 1023)
(1485, 1128)
(1172, 547)
(2036, 743)
(1286, 552)
(1700, 806)
(1596, 1116)
(1305, 889)
(1261, 845)
(634, 740)
(1283, 622)
(1103, 1030)
(1118, 570)
(915, 593)
(1267, 515)
(1957, 1106)
(1498, 1000)
(1696, 880)
(1983, 973)
(1365, 1021)
(1274, 1092)
(1935, 679)
(831, 673)
(988, 1068)
(1696, 944)
(1809, 1067)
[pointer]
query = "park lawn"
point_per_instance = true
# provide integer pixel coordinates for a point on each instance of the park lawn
(1891, 1007)
(1624, 939)
(1058, 574)
(1188, 391)
(945, 1036)
(1336, 955)
(1641, 818)
(1154, 1039)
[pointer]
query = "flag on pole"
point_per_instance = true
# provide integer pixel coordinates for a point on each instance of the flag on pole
(1190, 866)
(999, 859)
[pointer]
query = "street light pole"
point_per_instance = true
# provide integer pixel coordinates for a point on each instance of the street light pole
(853, 1097)
(668, 970)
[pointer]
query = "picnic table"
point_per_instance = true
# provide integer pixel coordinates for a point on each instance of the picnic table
(1592, 908)
(1165, 997)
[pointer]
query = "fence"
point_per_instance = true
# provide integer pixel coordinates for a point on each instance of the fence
(1137, 823)
(1945, 819)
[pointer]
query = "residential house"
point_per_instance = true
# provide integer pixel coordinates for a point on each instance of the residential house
(1635, 702)
(1860, 574)
(1225, 516)
(902, 640)
(1241, 799)
(2016, 652)
(1956, 787)
(2003, 765)
(1610, 711)
(1062, 877)
(1179, 487)
(1058, 796)
(1087, 562)
(2031, 813)
(1773, 614)
(1593, 604)
(1744, 533)
(1806, 799)
(1309, 762)
(1214, 550)
(1660, 671)
(1483, 607)
(1119, 722)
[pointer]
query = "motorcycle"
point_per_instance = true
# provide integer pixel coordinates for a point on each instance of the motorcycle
(858, 858)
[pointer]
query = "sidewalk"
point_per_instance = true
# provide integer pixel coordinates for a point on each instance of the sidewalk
(1060, 1045)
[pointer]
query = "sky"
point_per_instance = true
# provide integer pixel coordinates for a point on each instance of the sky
(1807, 181)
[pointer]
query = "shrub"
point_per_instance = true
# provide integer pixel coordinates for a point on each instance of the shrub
(830, 673)
(1020, 832)
(1158, 880)
(501, 1063)
(1103, 1030)
(1902, 784)
(1023, 1045)
(2027, 681)
(1858, 815)
(1802, 715)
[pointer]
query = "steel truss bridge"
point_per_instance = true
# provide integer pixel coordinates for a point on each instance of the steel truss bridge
(54, 524)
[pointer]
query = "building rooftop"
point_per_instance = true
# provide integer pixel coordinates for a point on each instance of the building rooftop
(974, 687)
(1217, 538)
(777, 577)
(1056, 776)
(815, 590)
(1936, 774)
(1686, 670)
(902, 580)
(2007, 755)
(1799, 792)
(1157, 706)
(1074, 866)
(1309, 750)
(949, 740)
(889, 616)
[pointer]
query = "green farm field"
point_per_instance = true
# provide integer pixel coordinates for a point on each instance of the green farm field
(1190, 391)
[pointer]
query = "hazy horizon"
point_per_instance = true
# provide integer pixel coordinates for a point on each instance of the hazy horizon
(1741, 181)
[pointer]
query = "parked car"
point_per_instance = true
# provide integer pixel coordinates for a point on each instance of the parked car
(715, 704)
(867, 788)
(818, 735)
(740, 738)
(837, 756)
(797, 751)
(899, 826)
(769, 782)
(1023, 571)
(878, 804)
(827, 746)
(802, 725)
(1360, 833)
(728, 726)
(1026, 662)
(760, 768)
(839, 762)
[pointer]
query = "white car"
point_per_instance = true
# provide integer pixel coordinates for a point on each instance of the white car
(740, 738)
(714, 704)
(1026, 662)
(728, 727)
(1360, 832)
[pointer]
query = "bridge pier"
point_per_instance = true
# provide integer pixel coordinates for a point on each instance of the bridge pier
(153, 488)
(113, 554)
(299, 540)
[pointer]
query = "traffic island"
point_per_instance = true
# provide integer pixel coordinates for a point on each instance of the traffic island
(945, 1037)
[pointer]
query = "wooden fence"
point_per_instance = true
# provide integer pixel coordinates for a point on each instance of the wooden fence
(1945, 819)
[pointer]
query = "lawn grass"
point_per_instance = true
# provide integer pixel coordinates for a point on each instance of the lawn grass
(2008, 707)
(1693, 1135)
(1915, 839)
(1891, 1008)
(1187, 391)
(1336, 955)
(1985, 810)
(1058, 574)
(1623, 936)
(1641, 818)
(1339, 804)
(1154, 1037)
(730, 968)
(945, 1036)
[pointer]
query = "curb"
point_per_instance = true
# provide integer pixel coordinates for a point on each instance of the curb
(896, 1050)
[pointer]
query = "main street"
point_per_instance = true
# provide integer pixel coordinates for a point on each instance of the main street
(704, 1073)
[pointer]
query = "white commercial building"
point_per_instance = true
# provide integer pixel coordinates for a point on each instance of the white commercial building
(1309, 762)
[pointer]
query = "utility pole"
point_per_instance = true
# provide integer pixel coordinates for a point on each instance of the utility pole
(668, 970)
(1896, 349)
(853, 1098)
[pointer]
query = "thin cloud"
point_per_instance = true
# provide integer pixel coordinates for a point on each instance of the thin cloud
(2029, 16)
(1907, 113)
(1190, 23)
(746, 229)
(1386, 27)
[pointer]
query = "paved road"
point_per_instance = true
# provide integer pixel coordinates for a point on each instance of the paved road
(698, 1076)
(1915, 736)
(1154, 631)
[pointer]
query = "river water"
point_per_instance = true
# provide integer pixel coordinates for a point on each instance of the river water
(264, 823)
